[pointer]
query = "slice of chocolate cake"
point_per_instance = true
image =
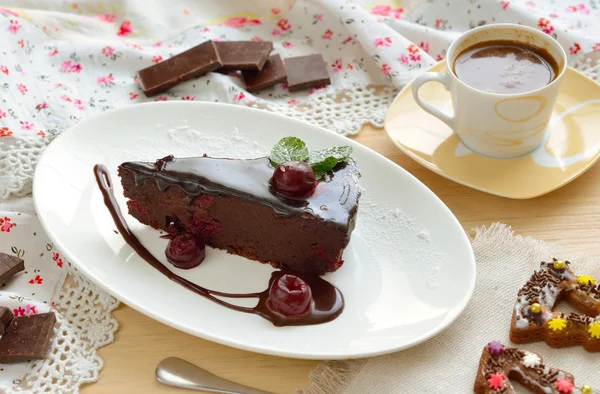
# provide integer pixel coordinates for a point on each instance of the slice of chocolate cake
(233, 206)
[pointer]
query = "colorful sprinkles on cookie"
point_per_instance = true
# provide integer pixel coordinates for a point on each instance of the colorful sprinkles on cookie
(496, 348)
(496, 381)
(557, 324)
(534, 318)
(585, 389)
(595, 330)
(531, 360)
(497, 369)
(564, 386)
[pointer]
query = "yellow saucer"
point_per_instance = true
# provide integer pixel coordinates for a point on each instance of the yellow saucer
(572, 143)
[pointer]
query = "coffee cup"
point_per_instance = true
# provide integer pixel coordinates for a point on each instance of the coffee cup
(490, 119)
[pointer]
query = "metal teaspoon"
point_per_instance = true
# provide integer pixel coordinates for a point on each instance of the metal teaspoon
(176, 372)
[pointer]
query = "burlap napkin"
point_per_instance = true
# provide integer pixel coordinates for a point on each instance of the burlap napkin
(448, 363)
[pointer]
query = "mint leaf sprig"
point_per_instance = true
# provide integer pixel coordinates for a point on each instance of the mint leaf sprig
(321, 161)
(289, 149)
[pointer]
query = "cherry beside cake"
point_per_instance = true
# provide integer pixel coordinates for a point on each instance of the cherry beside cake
(295, 209)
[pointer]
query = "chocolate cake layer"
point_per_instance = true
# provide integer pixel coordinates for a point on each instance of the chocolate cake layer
(231, 204)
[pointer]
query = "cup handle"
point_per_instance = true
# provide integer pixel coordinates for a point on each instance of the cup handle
(444, 79)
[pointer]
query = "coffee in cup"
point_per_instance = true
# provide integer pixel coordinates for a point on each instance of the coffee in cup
(505, 67)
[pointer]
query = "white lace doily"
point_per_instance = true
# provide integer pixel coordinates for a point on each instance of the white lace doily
(85, 324)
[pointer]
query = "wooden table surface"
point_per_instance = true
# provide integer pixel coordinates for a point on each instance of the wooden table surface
(569, 216)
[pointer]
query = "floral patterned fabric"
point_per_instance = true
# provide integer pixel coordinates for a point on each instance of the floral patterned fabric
(62, 61)
(31, 291)
(65, 60)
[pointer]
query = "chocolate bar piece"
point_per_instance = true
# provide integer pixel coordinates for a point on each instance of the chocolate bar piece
(272, 74)
(6, 317)
(9, 265)
(27, 338)
(244, 55)
(305, 72)
(192, 63)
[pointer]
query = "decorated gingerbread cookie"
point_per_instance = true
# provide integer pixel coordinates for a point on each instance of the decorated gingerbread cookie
(499, 365)
(534, 319)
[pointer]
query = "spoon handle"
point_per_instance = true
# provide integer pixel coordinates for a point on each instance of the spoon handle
(176, 372)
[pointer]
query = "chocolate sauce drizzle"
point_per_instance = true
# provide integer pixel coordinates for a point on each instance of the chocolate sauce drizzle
(327, 304)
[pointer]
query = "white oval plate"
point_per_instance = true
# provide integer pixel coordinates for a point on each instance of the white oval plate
(409, 270)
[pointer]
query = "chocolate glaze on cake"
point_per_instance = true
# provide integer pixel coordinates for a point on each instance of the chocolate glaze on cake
(232, 205)
(249, 179)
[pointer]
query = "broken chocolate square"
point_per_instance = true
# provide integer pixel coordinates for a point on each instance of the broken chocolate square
(305, 72)
(6, 317)
(192, 63)
(244, 55)
(9, 266)
(27, 338)
(272, 74)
